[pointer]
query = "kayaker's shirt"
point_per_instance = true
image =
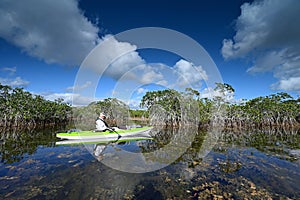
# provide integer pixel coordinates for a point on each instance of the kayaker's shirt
(101, 125)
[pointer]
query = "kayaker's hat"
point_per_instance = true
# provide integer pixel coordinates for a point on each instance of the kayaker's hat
(102, 115)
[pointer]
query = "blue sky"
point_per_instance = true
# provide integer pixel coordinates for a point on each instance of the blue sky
(254, 44)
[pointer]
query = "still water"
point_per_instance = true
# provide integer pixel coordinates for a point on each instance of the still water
(256, 164)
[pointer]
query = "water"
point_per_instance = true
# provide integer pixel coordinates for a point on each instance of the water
(243, 164)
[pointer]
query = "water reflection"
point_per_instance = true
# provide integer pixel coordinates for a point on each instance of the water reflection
(15, 143)
(252, 164)
(278, 142)
(165, 147)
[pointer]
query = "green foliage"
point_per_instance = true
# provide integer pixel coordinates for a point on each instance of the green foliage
(19, 107)
(163, 106)
(273, 110)
(168, 107)
(117, 112)
(139, 113)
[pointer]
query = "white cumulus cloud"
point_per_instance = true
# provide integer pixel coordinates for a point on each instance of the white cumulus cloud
(54, 31)
(113, 58)
(189, 75)
(14, 82)
(269, 31)
(292, 83)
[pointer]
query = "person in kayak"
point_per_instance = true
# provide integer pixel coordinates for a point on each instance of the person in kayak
(101, 125)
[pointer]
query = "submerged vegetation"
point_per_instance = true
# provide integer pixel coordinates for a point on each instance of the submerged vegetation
(166, 107)
(242, 165)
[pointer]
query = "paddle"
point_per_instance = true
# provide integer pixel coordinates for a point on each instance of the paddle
(112, 130)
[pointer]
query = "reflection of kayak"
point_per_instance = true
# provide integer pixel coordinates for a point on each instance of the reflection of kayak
(98, 137)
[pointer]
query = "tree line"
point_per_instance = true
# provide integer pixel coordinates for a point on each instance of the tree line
(169, 107)
(164, 107)
(21, 108)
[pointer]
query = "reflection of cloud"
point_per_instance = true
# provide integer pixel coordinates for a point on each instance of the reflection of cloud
(16, 82)
(55, 31)
(270, 28)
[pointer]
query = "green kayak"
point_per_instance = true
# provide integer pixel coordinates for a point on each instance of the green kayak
(91, 136)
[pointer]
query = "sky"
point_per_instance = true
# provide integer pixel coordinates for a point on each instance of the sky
(47, 47)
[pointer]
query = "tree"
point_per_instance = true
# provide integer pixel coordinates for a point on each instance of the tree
(163, 105)
(19, 108)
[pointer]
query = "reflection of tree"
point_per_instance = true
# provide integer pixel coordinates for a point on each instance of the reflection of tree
(275, 141)
(192, 156)
(16, 143)
(161, 137)
(169, 144)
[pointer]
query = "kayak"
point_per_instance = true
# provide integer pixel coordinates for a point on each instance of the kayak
(102, 137)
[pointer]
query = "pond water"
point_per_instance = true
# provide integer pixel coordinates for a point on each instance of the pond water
(240, 165)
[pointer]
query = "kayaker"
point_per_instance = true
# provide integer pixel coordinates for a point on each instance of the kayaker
(101, 125)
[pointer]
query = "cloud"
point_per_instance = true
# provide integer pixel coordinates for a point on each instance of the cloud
(14, 82)
(121, 58)
(292, 84)
(150, 74)
(79, 88)
(69, 98)
(121, 61)
(189, 75)
(54, 31)
(141, 90)
(124, 64)
(211, 93)
(134, 103)
(10, 70)
(52, 96)
(269, 31)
